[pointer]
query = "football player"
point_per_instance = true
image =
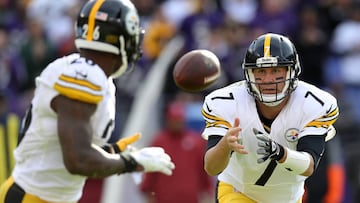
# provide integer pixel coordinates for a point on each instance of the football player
(266, 134)
(64, 134)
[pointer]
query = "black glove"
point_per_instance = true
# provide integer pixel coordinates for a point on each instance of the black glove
(268, 148)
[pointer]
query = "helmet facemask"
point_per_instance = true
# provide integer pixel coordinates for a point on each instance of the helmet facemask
(288, 84)
(130, 52)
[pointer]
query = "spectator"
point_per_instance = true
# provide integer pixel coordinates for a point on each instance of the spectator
(49, 12)
(278, 16)
(331, 175)
(9, 127)
(159, 32)
(242, 12)
(312, 44)
(346, 46)
(344, 79)
(189, 181)
(37, 51)
(12, 74)
(9, 17)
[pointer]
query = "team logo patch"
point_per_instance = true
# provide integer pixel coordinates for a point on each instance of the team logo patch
(292, 135)
(132, 22)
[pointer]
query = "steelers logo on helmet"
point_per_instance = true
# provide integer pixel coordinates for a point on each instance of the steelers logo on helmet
(271, 50)
(132, 23)
(110, 26)
(292, 135)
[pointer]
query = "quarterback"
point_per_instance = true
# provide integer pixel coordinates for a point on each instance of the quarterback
(267, 134)
(64, 134)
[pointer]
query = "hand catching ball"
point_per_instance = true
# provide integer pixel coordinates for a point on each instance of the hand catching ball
(196, 70)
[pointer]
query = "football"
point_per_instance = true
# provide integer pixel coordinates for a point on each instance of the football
(196, 70)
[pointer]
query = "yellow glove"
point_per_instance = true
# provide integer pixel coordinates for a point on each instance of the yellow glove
(121, 145)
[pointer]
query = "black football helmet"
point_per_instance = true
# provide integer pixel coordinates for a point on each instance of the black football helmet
(111, 26)
(271, 50)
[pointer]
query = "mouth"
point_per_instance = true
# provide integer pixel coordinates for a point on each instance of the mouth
(268, 89)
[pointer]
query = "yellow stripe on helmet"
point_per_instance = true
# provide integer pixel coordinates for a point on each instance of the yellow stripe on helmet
(267, 45)
(91, 19)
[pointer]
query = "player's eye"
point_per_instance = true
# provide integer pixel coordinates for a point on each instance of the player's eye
(259, 71)
(279, 69)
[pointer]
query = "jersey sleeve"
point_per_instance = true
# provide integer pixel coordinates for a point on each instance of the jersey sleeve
(217, 113)
(324, 116)
(81, 80)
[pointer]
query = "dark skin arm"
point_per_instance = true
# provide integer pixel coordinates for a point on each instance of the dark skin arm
(75, 135)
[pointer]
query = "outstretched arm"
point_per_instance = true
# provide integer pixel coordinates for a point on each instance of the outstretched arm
(217, 158)
(81, 157)
(75, 135)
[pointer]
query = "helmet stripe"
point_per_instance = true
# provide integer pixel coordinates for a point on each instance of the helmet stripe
(267, 45)
(91, 19)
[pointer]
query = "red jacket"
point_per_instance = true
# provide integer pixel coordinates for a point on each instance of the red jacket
(189, 179)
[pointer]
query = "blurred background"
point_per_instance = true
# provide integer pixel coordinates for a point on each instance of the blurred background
(325, 32)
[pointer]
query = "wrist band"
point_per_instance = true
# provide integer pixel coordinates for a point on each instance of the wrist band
(297, 162)
(108, 148)
(281, 153)
(130, 163)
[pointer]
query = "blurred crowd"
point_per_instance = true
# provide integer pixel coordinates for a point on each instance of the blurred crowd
(325, 32)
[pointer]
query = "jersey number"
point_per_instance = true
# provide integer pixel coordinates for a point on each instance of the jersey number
(230, 97)
(315, 97)
(96, 32)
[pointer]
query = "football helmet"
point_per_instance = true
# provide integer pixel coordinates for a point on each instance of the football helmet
(271, 50)
(111, 26)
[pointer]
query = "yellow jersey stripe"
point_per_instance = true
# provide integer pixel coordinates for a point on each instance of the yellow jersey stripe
(267, 45)
(222, 124)
(91, 19)
(334, 112)
(332, 115)
(217, 121)
(78, 94)
(5, 188)
(84, 83)
(317, 123)
(210, 117)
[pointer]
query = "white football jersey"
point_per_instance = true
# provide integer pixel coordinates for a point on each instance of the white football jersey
(310, 111)
(39, 168)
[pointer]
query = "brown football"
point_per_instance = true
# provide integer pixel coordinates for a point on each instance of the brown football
(196, 70)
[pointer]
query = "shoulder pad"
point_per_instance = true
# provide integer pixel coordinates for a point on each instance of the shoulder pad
(82, 80)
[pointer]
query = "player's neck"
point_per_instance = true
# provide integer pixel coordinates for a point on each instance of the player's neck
(102, 59)
(270, 112)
